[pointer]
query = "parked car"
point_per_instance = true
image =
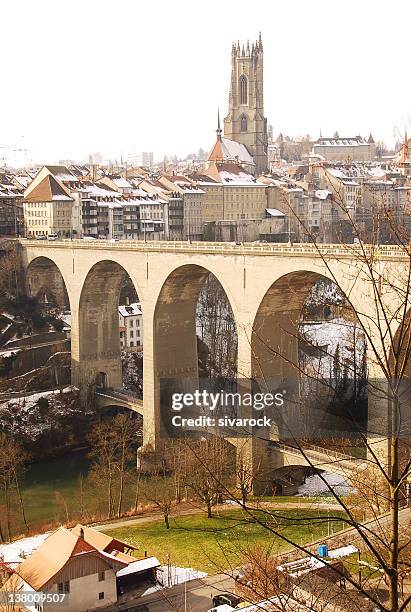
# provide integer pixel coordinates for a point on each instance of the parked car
(41, 237)
(52, 237)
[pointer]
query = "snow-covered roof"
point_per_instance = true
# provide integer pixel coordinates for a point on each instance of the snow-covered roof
(139, 566)
(236, 150)
(322, 194)
(97, 191)
(115, 204)
(230, 150)
(130, 310)
(274, 212)
(62, 173)
(240, 178)
(357, 141)
(122, 183)
(23, 180)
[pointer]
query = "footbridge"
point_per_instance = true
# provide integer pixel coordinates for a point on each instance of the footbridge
(318, 457)
(107, 398)
(265, 284)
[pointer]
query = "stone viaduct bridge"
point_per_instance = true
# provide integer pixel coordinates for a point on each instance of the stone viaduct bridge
(266, 285)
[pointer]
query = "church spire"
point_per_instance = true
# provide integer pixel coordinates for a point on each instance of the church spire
(218, 130)
(260, 41)
(404, 150)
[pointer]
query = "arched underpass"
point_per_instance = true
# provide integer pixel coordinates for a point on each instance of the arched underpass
(44, 281)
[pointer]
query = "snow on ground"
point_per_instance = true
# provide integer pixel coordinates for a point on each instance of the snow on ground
(66, 318)
(171, 575)
(7, 315)
(330, 334)
(314, 486)
(344, 551)
(27, 402)
(10, 352)
(20, 549)
(22, 416)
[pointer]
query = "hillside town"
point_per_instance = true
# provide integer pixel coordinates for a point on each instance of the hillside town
(205, 358)
(222, 199)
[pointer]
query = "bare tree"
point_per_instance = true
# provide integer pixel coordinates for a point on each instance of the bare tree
(112, 444)
(12, 461)
(209, 470)
(159, 491)
(125, 431)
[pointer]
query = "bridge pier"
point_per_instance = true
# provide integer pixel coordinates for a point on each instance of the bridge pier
(95, 337)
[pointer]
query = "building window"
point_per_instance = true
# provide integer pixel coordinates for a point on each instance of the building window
(101, 596)
(243, 123)
(101, 576)
(64, 587)
(243, 89)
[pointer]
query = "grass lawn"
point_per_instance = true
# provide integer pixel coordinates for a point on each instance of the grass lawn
(212, 545)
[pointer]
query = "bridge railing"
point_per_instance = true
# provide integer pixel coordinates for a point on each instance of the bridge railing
(119, 393)
(343, 250)
(317, 449)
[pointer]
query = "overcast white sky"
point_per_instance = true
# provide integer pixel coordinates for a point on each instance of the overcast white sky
(130, 75)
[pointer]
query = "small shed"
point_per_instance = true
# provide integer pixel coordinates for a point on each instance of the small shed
(139, 573)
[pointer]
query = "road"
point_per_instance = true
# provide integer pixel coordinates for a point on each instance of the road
(197, 594)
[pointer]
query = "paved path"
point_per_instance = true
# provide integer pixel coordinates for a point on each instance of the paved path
(185, 510)
(197, 594)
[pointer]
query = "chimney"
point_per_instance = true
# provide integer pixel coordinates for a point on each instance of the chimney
(127, 300)
(82, 533)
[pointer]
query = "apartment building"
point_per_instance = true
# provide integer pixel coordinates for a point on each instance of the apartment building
(130, 326)
(192, 197)
(48, 209)
(231, 193)
(11, 207)
(338, 149)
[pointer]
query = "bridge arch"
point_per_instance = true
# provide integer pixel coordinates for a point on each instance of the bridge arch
(96, 356)
(274, 338)
(174, 337)
(278, 344)
(45, 281)
(174, 322)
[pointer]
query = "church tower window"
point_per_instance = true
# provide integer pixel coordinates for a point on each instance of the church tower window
(243, 90)
(243, 123)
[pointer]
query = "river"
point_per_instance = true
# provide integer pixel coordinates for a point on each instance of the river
(49, 484)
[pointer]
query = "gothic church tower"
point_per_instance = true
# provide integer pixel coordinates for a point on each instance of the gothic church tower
(245, 122)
